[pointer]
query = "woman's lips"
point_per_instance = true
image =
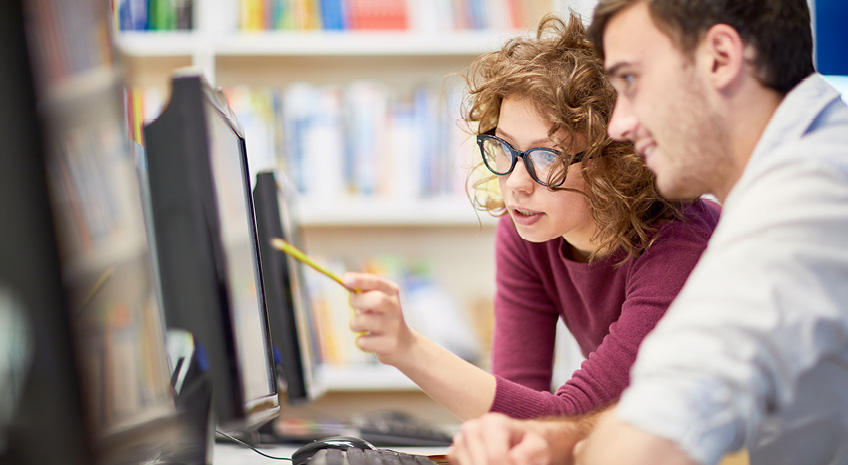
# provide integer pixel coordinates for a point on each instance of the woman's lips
(525, 217)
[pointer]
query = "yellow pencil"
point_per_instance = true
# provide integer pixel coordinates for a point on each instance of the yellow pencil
(284, 246)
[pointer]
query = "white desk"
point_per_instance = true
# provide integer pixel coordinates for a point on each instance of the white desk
(234, 454)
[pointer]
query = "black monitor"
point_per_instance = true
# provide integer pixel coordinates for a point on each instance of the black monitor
(208, 259)
(85, 377)
(288, 307)
(37, 356)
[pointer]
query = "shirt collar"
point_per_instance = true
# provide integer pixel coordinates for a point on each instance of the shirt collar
(796, 113)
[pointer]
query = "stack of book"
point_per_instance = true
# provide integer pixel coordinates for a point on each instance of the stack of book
(153, 15)
(141, 105)
(359, 140)
(416, 15)
(362, 140)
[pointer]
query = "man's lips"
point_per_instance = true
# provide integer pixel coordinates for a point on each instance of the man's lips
(645, 148)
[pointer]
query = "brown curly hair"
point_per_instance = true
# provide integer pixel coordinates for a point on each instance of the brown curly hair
(562, 75)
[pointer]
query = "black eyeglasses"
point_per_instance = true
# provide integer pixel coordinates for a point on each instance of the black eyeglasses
(541, 163)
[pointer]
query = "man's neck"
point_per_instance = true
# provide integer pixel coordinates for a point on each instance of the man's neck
(748, 114)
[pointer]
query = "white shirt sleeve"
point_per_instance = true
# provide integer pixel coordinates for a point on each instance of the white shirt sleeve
(766, 303)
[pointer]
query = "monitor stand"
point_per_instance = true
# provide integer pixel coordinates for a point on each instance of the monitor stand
(193, 391)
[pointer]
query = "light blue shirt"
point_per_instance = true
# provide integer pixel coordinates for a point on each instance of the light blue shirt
(754, 351)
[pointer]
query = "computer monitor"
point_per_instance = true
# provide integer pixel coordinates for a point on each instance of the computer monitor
(208, 259)
(87, 380)
(288, 312)
(38, 375)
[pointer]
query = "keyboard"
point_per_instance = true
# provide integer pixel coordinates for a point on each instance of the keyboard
(391, 428)
(368, 457)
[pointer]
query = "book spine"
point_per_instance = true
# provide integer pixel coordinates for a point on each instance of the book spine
(332, 15)
(184, 9)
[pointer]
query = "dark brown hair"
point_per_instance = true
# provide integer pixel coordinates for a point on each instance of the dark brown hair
(779, 30)
(561, 74)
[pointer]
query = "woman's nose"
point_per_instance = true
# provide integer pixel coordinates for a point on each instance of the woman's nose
(519, 179)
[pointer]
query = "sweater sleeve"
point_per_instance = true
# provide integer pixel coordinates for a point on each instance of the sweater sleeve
(653, 282)
(523, 312)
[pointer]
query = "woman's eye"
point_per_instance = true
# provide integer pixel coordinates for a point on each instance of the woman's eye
(544, 157)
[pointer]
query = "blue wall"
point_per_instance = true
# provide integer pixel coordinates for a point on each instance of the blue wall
(831, 23)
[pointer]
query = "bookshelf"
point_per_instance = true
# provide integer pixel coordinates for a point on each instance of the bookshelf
(442, 229)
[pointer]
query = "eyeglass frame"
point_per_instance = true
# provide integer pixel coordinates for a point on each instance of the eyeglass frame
(516, 154)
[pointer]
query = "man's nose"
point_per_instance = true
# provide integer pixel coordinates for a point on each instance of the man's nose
(623, 123)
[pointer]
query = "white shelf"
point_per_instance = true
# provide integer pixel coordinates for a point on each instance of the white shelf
(370, 212)
(158, 43)
(313, 43)
(361, 43)
(362, 377)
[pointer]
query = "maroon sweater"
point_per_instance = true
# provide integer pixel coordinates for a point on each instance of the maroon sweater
(608, 310)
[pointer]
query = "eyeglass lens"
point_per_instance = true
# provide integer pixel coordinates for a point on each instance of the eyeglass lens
(498, 157)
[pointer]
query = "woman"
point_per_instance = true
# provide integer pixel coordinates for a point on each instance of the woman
(584, 238)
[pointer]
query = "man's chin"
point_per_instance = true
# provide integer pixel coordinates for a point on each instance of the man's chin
(672, 187)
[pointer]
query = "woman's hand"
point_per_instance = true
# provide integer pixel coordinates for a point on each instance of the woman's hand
(464, 389)
(379, 317)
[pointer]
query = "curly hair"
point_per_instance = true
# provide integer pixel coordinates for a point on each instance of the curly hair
(561, 74)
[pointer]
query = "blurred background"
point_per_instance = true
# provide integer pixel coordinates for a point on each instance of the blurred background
(354, 104)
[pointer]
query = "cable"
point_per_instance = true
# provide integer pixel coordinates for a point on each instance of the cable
(238, 441)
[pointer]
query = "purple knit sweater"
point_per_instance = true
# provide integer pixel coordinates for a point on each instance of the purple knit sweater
(609, 311)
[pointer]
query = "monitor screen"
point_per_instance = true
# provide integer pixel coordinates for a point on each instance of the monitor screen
(288, 312)
(208, 258)
(108, 273)
(106, 319)
(40, 389)
(232, 188)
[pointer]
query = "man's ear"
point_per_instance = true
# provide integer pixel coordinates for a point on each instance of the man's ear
(724, 56)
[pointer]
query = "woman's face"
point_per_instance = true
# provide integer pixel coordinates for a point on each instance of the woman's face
(540, 214)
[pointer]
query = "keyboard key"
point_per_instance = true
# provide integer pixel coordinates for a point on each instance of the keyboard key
(336, 457)
(356, 457)
(367, 457)
(389, 428)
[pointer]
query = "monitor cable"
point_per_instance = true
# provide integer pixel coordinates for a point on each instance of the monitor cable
(242, 443)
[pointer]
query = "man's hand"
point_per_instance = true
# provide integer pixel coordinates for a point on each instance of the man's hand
(495, 439)
(614, 442)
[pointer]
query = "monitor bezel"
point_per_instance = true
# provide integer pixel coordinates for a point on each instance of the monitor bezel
(187, 224)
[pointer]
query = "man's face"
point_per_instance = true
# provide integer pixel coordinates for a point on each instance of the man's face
(662, 105)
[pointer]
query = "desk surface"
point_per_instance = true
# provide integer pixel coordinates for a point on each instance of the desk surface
(233, 454)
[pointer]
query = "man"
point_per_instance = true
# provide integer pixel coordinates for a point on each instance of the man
(720, 97)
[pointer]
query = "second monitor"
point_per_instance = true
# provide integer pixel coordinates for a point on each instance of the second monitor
(288, 312)
(208, 259)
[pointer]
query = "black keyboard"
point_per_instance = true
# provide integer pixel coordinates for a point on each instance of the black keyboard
(367, 457)
(392, 428)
